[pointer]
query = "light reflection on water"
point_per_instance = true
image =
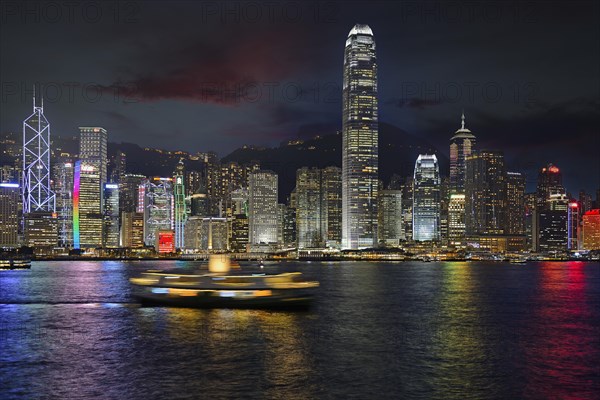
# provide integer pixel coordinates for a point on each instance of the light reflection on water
(412, 330)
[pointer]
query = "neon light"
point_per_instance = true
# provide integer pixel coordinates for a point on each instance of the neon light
(76, 181)
(36, 193)
(9, 185)
(573, 205)
(111, 186)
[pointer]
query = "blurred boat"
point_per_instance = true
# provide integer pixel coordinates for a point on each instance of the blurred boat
(220, 289)
(15, 263)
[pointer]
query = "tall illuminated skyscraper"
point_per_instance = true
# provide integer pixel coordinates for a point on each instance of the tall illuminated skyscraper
(262, 208)
(331, 187)
(549, 182)
(156, 203)
(515, 204)
(391, 231)
(591, 230)
(485, 190)
(359, 141)
(63, 189)
(462, 145)
(310, 221)
(36, 192)
(456, 219)
(110, 216)
(93, 149)
(9, 211)
(179, 210)
(426, 199)
(87, 206)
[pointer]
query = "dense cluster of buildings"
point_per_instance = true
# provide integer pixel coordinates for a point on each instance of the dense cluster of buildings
(90, 202)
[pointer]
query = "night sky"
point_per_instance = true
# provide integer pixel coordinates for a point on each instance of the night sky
(202, 76)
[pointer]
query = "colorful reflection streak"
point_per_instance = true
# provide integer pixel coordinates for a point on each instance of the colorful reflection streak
(562, 343)
(462, 365)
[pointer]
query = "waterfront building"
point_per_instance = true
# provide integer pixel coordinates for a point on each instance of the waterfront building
(310, 221)
(496, 243)
(289, 227)
(41, 231)
(110, 216)
(591, 230)
(359, 140)
(456, 219)
(391, 231)
(239, 233)
(87, 206)
(485, 190)
(553, 224)
(156, 202)
(10, 198)
(132, 229)
(515, 204)
(573, 211)
(206, 234)
(531, 222)
(407, 207)
(262, 208)
(426, 199)
(63, 171)
(331, 190)
(179, 211)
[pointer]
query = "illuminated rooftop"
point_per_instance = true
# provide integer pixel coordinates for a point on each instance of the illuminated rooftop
(361, 29)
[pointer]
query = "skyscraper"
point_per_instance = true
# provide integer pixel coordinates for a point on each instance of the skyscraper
(93, 142)
(63, 189)
(426, 199)
(110, 216)
(331, 188)
(591, 230)
(157, 205)
(87, 206)
(262, 208)
(515, 204)
(553, 224)
(456, 219)
(359, 140)
(462, 145)
(549, 182)
(36, 192)
(485, 189)
(390, 227)
(310, 225)
(9, 212)
(573, 225)
(179, 208)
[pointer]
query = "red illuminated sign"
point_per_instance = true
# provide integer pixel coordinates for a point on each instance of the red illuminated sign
(166, 242)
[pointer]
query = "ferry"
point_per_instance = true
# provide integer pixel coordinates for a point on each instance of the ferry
(15, 263)
(220, 289)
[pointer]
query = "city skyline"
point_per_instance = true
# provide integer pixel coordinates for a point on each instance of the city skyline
(537, 106)
(299, 199)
